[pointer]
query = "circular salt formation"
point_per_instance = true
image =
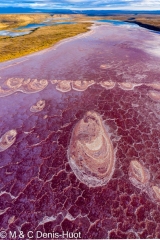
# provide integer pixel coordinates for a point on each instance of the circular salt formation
(138, 174)
(7, 140)
(107, 84)
(63, 86)
(14, 82)
(5, 93)
(39, 106)
(156, 191)
(90, 152)
(33, 86)
(154, 95)
(82, 85)
(128, 85)
(154, 85)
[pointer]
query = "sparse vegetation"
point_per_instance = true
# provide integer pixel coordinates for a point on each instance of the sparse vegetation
(9, 21)
(45, 37)
(40, 39)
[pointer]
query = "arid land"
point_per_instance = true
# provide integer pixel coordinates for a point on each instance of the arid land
(45, 37)
(39, 39)
(9, 21)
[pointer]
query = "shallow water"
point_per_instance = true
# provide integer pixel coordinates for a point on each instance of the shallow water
(13, 34)
(50, 22)
(31, 27)
(118, 23)
(119, 98)
(44, 24)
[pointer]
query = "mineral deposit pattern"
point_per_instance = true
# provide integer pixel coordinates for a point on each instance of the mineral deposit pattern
(109, 78)
(90, 153)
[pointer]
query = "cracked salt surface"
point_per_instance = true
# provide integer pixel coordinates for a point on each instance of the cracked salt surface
(39, 189)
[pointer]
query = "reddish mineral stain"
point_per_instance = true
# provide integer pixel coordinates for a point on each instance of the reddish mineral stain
(154, 95)
(138, 174)
(63, 86)
(82, 85)
(90, 153)
(39, 106)
(7, 140)
(107, 84)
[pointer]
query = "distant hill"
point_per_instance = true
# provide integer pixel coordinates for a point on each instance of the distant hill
(68, 11)
(116, 12)
(31, 10)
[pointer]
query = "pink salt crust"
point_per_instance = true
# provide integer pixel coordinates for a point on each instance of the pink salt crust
(39, 191)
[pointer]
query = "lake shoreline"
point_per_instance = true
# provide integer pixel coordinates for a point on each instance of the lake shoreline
(143, 25)
(40, 39)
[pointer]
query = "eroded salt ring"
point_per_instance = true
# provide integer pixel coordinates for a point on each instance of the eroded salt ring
(138, 174)
(7, 140)
(34, 86)
(14, 82)
(90, 153)
(38, 107)
(82, 85)
(64, 86)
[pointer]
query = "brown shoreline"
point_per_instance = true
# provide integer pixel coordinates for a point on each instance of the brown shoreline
(147, 26)
(148, 21)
